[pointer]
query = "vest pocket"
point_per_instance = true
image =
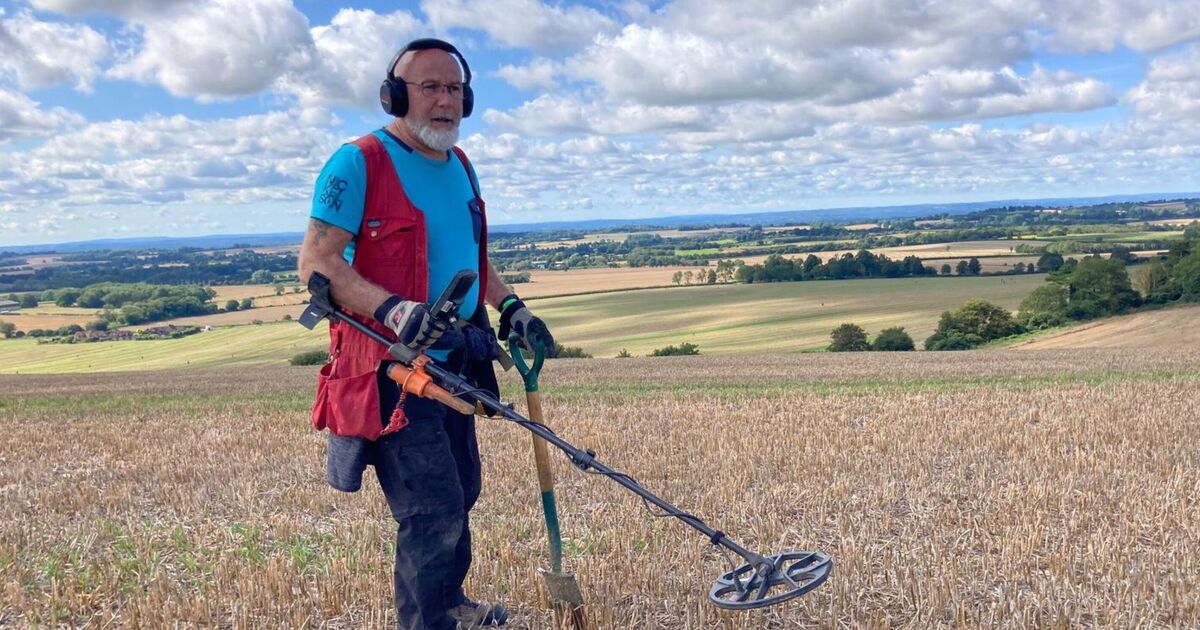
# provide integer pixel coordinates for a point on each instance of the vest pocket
(387, 252)
(476, 218)
(348, 405)
(388, 236)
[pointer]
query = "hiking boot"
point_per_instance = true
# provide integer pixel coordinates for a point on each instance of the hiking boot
(472, 614)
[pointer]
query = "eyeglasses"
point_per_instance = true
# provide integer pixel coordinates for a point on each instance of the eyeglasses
(432, 89)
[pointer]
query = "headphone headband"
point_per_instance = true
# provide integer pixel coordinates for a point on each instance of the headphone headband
(431, 43)
(393, 94)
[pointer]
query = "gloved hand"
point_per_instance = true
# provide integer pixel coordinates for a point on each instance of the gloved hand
(411, 321)
(515, 317)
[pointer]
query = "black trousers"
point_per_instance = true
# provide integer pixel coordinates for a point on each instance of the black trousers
(430, 474)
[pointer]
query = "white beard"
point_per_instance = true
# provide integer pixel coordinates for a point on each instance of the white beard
(433, 138)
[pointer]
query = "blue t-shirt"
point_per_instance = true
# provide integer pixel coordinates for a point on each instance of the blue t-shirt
(440, 190)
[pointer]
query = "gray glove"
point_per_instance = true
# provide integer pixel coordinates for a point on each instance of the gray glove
(411, 321)
(515, 317)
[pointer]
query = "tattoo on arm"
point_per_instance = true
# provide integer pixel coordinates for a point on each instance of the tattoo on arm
(320, 229)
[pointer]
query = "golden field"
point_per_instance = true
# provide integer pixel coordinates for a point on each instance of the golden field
(1041, 488)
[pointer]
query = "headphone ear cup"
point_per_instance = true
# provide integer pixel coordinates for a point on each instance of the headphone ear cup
(393, 97)
(468, 100)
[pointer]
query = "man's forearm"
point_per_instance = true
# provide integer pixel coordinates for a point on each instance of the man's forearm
(496, 288)
(322, 252)
(352, 291)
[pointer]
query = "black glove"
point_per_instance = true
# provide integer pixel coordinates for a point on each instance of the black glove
(515, 317)
(411, 321)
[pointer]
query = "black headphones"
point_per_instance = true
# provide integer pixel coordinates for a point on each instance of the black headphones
(393, 93)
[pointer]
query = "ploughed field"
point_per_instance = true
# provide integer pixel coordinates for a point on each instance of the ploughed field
(1051, 488)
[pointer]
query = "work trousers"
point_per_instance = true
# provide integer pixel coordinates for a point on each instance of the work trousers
(430, 474)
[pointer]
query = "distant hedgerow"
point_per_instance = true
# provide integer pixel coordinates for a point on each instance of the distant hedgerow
(311, 357)
(682, 349)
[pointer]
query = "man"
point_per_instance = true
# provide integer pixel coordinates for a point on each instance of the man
(395, 215)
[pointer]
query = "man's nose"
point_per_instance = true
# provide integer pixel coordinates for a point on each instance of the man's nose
(443, 97)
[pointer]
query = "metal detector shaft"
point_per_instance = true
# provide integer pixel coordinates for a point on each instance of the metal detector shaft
(583, 459)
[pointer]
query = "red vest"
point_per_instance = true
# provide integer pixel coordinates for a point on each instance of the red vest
(390, 251)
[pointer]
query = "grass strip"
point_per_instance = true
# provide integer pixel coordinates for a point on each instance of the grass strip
(299, 402)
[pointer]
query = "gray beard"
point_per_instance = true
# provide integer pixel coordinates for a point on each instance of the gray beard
(434, 139)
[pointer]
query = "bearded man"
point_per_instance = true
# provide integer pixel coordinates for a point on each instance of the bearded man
(395, 215)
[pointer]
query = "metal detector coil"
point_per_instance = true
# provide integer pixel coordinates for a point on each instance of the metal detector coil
(777, 579)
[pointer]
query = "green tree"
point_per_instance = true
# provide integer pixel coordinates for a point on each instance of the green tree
(1045, 307)
(279, 289)
(231, 305)
(1187, 275)
(262, 276)
(1192, 231)
(946, 270)
(1103, 282)
(29, 300)
(8, 329)
(974, 323)
(1050, 262)
(892, 340)
(973, 267)
(1122, 253)
(245, 304)
(677, 277)
(66, 297)
(962, 268)
(1156, 285)
(848, 338)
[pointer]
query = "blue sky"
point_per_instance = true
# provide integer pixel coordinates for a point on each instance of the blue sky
(183, 117)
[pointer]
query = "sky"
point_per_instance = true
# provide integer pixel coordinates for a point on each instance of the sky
(189, 117)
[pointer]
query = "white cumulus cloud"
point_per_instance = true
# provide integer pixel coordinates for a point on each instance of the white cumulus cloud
(39, 53)
(521, 23)
(22, 117)
(219, 48)
(348, 59)
(1171, 89)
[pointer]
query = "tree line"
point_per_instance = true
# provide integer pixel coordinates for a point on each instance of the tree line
(1075, 290)
(863, 264)
(180, 267)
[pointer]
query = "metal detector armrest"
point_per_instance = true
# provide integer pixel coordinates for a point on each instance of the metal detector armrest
(320, 302)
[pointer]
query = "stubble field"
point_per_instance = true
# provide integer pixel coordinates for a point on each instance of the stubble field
(1002, 489)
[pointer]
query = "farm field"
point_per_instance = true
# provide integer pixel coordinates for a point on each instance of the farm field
(545, 283)
(267, 344)
(1002, 489)
(621, 237)
(960, 250)
(1185, 221)
(1120, 237)
(1180, 325)
(26, 320)
(721, 319)
(242, 291)
(772, 318)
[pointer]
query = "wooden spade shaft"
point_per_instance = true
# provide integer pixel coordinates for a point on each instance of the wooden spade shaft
(541, 456)
(565, 596)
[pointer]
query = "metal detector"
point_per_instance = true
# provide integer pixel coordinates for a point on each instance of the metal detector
(760, 581)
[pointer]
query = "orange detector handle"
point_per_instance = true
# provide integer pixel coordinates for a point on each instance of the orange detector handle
(417, 382)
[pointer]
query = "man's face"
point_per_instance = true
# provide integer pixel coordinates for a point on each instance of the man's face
(432, 119)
